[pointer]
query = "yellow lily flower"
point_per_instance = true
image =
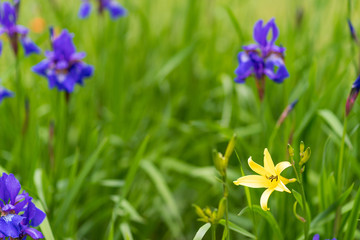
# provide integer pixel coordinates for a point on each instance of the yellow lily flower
(269, 177)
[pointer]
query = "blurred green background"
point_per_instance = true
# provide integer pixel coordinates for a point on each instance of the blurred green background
(132, 149)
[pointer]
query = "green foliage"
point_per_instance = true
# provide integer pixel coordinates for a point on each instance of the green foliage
(166, 71)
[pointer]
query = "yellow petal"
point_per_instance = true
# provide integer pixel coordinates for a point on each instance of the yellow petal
(281, 166)
(281, 187)
(264, 198)
(286, 181)
(257, 168)
(254, 181)
(268, 162)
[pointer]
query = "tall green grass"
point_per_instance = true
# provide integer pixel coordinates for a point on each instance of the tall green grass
(132, 149)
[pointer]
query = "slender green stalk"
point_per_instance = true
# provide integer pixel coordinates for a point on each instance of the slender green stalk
(272, 137)
(303, 197)
(213, 232)
(339, 178)
(226, 193)
(248, 197)
(19, 89)
(341, 157)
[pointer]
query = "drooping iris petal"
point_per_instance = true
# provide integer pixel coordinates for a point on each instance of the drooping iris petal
(33, 233)
(41, 67)
(279, 75)
(245, 68)
(85, 9)
(10, 225)
(115, 9)
(29, 46)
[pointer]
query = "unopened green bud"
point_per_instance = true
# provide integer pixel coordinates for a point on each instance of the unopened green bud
(213, 217)
(217, 160)
(302, 146)
(201, 214)
(199, 211)
(208, 211)
(305, 156)
(230, 148)
(290, 150)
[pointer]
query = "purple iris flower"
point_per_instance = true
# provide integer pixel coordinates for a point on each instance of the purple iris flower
(4, 93)
(8, 19)
(18, 213)
(263, 58)
(114, 8)
(63, 67)
(353, 95)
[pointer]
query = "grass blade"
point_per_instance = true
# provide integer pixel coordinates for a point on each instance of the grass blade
(353, 219)
(202, 231)
(64, 208)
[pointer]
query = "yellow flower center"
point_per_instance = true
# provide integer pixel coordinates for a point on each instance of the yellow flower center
(274, 179)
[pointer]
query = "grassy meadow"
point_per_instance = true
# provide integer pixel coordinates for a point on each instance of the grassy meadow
(130, 152)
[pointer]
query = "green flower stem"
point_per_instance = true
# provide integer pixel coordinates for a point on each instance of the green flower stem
(298, 174)
(213, 232)
(272, 136)
(339, 178)
(248, 197)
(226, 193)
(341, 157)
(19, 90)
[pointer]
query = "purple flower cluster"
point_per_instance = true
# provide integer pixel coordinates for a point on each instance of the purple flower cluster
(63, 67)
(18, 213)
(263, 58)
(114, 8)
(8, 20)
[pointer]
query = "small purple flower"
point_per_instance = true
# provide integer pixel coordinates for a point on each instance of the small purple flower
(4, 93)
(16, 33)
(353, 95)
(263, 58)
(114, 8)
(18, 213)
(63, 67)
